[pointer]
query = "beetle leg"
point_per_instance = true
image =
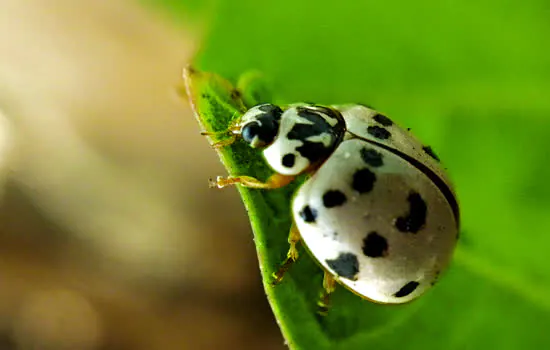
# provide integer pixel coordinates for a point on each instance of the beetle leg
(329, 285)
(223, 143)
(233, 130)
(291, 256)
(274, 181)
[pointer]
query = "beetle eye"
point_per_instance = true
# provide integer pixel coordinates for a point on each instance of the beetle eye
(261, 125)
(259, 133)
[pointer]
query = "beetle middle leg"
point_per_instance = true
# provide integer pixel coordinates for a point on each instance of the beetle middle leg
(329, 286)
(291, 256)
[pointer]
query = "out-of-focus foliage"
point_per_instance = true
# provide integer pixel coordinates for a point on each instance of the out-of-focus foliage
(472, 79)
(106, 236)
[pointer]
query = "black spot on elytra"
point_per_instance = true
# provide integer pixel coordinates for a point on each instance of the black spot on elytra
(333, 198)
(435, 178)
(371, 157)
(378, 132)
(429, 151)
(289, 160)
(406, 289)
(416, 217)
(382, 119)
(308, 214)
(363, 180)
(345, 265)
(374, 245)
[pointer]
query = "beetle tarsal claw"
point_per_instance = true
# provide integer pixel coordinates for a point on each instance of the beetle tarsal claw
(219, 182)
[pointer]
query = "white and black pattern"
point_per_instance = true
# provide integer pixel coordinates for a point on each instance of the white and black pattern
(388, 216)
(369, 124)
(306, 136)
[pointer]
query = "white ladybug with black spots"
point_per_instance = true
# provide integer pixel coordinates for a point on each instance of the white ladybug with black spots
(377, 211)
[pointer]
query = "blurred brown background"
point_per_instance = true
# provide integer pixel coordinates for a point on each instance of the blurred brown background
(107, 237)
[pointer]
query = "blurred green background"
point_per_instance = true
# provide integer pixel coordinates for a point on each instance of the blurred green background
(107, 236)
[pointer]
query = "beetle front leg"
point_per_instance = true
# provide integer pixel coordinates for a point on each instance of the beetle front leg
(231, 135)
(273, 182)
(223, 143)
